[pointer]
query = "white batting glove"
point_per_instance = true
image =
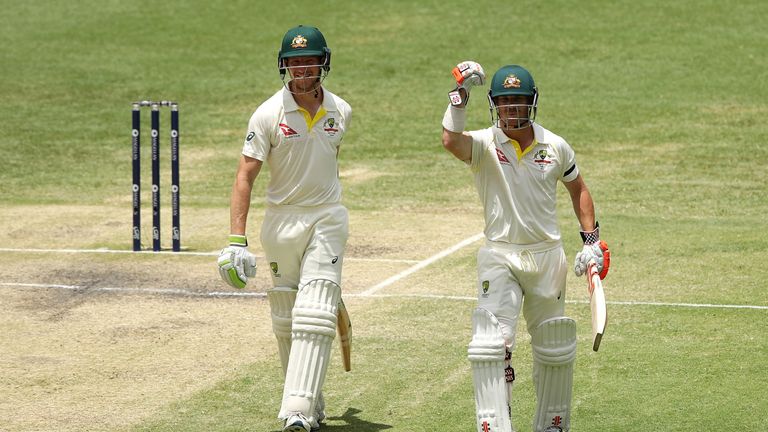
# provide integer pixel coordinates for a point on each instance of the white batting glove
(236, 264)
(595, 251)
(467, 74)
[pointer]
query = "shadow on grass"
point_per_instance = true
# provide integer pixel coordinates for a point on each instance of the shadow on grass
(353, 423)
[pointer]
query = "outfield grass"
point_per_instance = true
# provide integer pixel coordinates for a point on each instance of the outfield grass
(664, 103)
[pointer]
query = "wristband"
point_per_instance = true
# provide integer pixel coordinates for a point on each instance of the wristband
(591, 237)
(238, 240)
(455, 119)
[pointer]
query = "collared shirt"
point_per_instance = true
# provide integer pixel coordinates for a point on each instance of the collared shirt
(299, 149)
(518, 188)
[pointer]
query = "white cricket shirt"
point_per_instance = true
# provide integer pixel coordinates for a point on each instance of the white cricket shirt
(518, 188)
(300, 150)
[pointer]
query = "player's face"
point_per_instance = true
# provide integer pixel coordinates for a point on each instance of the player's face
(304, 72)
(514, 111)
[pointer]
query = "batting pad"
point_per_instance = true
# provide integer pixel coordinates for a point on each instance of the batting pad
(314, 327)
(281, 300)
(554, 351)
(486, 355)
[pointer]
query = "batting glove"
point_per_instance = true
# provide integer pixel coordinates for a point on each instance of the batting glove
(236, 264)
(594, 249)
(467, 74)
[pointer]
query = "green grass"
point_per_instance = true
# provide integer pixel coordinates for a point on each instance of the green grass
(664, 103)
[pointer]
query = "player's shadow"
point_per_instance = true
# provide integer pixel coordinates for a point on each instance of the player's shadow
(353, 423)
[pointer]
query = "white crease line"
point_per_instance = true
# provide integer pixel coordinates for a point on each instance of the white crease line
(389, 281)
(133, 290)
(615, 303)
(37, 285)
(167, 252)
(251, 294)
(690, 305)
(389, 260)
(106, 251)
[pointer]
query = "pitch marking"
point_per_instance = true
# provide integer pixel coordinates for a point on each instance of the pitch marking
(147, 252)
(249, 294)
(389, 281)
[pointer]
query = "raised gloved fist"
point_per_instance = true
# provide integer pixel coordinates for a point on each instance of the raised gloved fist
(236, 264)
(596, 251)
(469, 74)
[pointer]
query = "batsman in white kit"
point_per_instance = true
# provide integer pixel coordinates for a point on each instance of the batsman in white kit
(516, 165)
(298, 132)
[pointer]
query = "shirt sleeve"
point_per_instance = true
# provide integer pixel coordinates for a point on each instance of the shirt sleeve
(258, 139)
(569, 169)
(347, 116)
(346, 111)
(479, 143)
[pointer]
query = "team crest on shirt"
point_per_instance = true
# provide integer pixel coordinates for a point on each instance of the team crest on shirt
(542, 158)
(329, 126)
(511, 81)
(299, 42)
(486, 287)
(502, 157)
(288, 131)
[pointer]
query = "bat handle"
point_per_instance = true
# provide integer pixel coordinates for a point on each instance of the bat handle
(591, 274)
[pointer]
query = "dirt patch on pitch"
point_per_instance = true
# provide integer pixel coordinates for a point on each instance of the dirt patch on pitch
(90, 361)
(102, 341)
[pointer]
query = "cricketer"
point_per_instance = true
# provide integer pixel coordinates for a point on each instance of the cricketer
(516, 164)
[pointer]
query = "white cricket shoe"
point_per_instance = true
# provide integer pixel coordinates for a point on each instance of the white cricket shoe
(297, 423)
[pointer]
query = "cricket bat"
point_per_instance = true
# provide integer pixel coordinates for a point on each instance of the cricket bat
(597, 303)
(344, 326)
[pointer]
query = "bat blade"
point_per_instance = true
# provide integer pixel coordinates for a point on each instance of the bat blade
(344, 326)
(597, 304)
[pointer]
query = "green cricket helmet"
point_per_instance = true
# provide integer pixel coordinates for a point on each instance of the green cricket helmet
(513, 80)
(304, 41)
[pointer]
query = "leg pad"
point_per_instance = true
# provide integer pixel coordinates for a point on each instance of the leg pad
(313, 331)
(487, 353)
(281, 301)
(554, 350)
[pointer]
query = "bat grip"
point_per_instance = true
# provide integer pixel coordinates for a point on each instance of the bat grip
(591, 274)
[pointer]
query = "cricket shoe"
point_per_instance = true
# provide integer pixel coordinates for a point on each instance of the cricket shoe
(297, 423)
(553, 429)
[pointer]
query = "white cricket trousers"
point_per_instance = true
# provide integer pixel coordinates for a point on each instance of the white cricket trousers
(509, 274)
(302, 244)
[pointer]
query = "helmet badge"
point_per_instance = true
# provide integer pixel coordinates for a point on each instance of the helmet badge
(299, 42)
(511, 81)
